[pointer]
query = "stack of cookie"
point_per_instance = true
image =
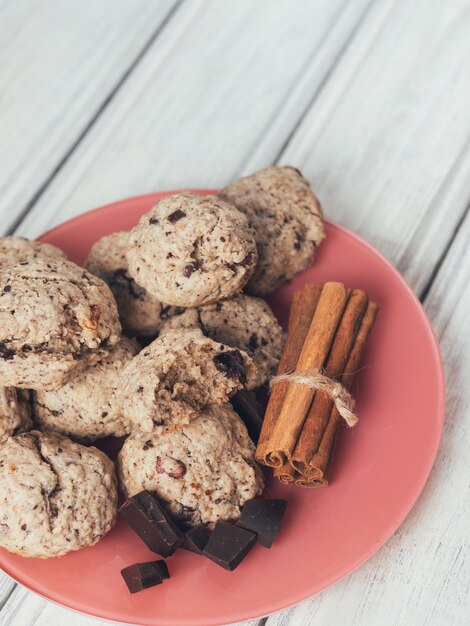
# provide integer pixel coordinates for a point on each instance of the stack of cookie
(68, 369)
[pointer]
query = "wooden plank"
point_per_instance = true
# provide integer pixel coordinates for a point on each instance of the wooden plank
(421, 575)
(58, 65)
(6, 587)
(24, 608)
(386, 142)
(202, 101)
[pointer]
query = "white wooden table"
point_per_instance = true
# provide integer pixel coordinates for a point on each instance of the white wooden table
(371, 99)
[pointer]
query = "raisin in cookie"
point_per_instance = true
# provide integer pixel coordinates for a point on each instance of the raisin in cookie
(191, 250)
(242, 322)
(56, 495)
(87, 407)
(205, 471)
(14, 250)
(55, 319)
(141, 314)
(14, 412)
(288, 221)
(167, 384)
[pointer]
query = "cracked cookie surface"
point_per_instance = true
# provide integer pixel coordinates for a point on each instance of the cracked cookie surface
(288, 221)
(170, 380)
(14, 412)
(55, 319)
(87, 407)
(191, 250)
(242, 322)
(205, 472)
(141, 313)
(56, 495)
(15, 249)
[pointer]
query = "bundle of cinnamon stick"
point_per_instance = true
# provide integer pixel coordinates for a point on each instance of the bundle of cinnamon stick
(327, 331)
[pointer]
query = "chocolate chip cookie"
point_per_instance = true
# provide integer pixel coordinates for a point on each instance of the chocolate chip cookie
(141, 313)
(55, 495)
(14, 412)
(14, 250)
(55, 319)
(288, 221)
(242, 322)
(169, 381)
(205, 471)
(191, 250)
(87, 407)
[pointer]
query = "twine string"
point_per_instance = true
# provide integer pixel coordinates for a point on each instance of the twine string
(343, 400)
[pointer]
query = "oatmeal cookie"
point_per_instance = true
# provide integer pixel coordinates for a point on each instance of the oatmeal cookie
(191, 250)
(87, 407)
(14, 250)
(288, 220)
(242, 322)
(141, 314)
(56, 495)
(205, 472)
(55, 319)
(170, 380)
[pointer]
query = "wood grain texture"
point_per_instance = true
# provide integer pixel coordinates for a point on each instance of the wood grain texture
(386, 143)
(58, 65)
(25, 608)
(201, 101)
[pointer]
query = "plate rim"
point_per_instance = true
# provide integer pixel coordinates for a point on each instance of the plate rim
(439, 415)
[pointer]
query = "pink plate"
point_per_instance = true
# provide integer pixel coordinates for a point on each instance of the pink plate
(379, 471)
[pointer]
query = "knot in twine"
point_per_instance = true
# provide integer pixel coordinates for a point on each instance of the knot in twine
(343, 400)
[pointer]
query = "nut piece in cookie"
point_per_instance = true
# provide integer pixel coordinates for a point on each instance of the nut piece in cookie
(14, 412)
(191, 250)
(242, 322)
(141, 313)
(204, 472)
(55, 319)
(288, 221)
(15, 250)
(169, 381)
(87, 407)
(55, 495)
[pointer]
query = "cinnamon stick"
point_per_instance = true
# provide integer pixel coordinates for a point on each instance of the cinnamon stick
(302, 309)
(320, 461)
(298, 397)
(319, 413)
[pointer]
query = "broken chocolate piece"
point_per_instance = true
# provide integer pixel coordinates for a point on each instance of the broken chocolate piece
(190, 268)
(148, 518)
(143, 575)
(195, 540)
(228, 545)
(176, 215)
(264, 518)
(231, 364)
(251, 412)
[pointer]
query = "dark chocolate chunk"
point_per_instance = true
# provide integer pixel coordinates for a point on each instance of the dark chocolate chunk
(228, 545)
(248, 260)
(251, 412)
(231, 364)
(5, 353)
(143, 575)
(175, 216)
(148, 518)
(253, 342)
(195, 540)
(190, 268)
(264, 518)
